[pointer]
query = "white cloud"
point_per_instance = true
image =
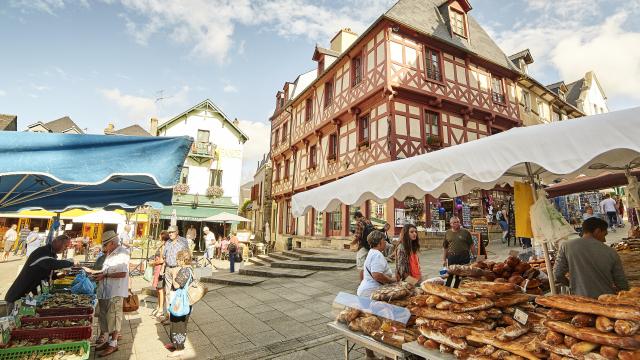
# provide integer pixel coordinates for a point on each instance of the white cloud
(581, 43)
(208, 26)
(3, 93)
(259, 134)
(40, 87)
(144, 107)
(228, 88)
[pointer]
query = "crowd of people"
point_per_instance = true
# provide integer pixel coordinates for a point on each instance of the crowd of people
(23, 242)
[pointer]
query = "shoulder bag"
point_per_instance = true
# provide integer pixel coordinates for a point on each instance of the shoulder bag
(196, 290)
(131, 303)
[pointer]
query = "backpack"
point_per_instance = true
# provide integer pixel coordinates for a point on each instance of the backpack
(368, 228)
(232, 247)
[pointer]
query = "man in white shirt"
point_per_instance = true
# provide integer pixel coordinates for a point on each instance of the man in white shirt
(209, 242)
(608, 206)
(34, 240)
(9, 238)
(113, 286)
(125, 236)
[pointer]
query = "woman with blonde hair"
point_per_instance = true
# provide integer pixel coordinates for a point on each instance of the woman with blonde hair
(178, 329)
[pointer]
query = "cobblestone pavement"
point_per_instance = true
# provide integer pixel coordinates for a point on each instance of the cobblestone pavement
(277, 319)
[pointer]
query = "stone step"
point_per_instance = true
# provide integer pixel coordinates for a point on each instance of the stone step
(312, 265)
(266, 258)
(329, 258)
(264, 272)
(304, 251)
(150, 291)
(285, 255)
(232, 279)
(257, 262)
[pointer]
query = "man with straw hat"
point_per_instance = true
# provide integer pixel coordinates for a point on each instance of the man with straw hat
(113, 283)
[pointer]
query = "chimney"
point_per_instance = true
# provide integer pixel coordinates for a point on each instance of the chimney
(153, 126)
(343, 39)
(110, 129)
(236, 122)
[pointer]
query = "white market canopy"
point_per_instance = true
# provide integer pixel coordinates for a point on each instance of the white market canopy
(587, 145)
(226, 217)
(101, 217)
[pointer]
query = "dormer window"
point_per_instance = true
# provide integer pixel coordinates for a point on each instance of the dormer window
(320, 66)
(458, 22)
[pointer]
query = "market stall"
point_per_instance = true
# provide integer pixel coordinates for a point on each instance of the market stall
(62, 171)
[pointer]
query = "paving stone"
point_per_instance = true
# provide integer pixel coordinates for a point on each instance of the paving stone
(303, 315)
(270, 315)
(266, 338)
(300, 355)
(256, 309)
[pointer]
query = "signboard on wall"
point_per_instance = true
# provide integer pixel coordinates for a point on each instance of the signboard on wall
(400, 219)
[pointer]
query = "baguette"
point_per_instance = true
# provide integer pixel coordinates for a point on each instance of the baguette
(510, 300)
(594, 336)
(430, 313)
(583, 348)
(512, 332)
(472, 305)
(626, 327)
(440, 325)
(590, 306)
(442, 338)
(604, 324)
(494, 287)
(609, 352)
(444, 292)
(516, 349)
(629, 355)
(557, 349)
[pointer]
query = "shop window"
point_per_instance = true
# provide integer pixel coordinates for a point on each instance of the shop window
(377, 212)
(284, 132)
(308, 109)
(458, 24)
(286, 168)
(351, 221)
(328, 93)
(497, 91)
(333, 147)
(356, 70)
(363, 130)
(433, 64)
(318, 223)
(313, 156)
(215, 177)
(335, 223)
(432, 128)
(184, 175)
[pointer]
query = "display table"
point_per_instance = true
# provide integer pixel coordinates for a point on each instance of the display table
(417, 349)
(354, 338)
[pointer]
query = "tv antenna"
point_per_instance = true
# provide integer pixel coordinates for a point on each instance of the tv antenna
(161, 96)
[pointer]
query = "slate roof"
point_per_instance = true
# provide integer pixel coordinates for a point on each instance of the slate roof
(573, 92)
(6, 122)
(526, 54)
(134, 130)
(62, 124)
(430, 17)
(325, 51)
(555, 86)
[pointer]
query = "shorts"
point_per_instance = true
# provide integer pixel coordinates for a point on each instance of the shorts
(111, 314)
(160, 282)
(8, 245)
(361, 256)
(504, 225)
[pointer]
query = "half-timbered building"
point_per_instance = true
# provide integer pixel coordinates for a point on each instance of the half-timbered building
(423, 76)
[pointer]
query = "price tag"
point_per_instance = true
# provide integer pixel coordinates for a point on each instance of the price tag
(520, 316)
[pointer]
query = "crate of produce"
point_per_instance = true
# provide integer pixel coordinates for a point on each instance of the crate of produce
(65, 311)
(81, 350)
(58, 333)
(55, 321)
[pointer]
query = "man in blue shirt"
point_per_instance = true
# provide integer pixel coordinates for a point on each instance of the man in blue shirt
(171, 249)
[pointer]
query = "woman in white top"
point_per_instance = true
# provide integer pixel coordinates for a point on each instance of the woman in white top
(376, 270)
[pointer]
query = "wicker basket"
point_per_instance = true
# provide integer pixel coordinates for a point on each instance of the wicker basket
(35, 320)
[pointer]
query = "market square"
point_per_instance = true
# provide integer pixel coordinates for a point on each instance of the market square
(433, 179)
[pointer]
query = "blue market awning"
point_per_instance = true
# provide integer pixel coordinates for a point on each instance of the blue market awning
(61, 171)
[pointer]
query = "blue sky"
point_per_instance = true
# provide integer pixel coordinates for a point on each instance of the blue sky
(107, 61)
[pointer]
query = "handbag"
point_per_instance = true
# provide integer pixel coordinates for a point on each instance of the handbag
(180, 305)
(238, 257)
(148, 273)
(196, 291)
(131, 303)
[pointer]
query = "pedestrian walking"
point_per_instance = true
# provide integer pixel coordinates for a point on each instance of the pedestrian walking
(608, 207)
(125, 237)
(363, 229)
(620, 207)
(178, 330)
(209, 242)
(457, 244)
(22, 239)
(407, 259)
(34, 240)
(175, 244)
(503, 221)
(192, 235)
(233, 249)
(114, 283)
(9, 240)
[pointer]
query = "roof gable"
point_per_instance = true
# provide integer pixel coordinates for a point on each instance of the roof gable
(8, 122)
(426, 17)
(61, 125)
(207, 104)
(133, 130)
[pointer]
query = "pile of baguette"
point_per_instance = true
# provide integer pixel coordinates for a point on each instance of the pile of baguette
(585, 328)
(475, 321)
(384, 330)
(512, 270)
(629, 245)
(629, 251)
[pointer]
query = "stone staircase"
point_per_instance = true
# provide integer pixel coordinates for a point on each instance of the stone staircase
(296, 263)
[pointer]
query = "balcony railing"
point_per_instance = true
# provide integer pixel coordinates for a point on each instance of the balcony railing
(203, 149)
